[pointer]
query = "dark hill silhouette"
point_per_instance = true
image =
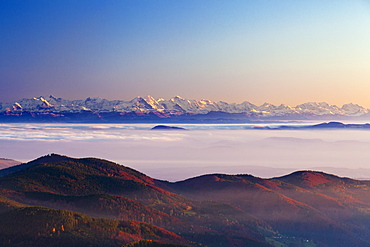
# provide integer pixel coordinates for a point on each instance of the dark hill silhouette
(151, 243)
(104, 189)
(295, 204)
(314, 179)
(326, 125)
(166, 127)
(43, 159)
(213, 210)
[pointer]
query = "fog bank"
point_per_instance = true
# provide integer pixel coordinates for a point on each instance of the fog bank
(177, 155)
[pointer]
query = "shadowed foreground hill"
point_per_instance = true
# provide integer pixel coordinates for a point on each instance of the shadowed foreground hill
(101, 188)
(331, 210)
(36, 226)
(305, 208)
(151, 243)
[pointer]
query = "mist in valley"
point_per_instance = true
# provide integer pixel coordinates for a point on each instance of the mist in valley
(203, 149)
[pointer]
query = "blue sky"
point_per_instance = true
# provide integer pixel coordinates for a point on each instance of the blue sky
(260, 51)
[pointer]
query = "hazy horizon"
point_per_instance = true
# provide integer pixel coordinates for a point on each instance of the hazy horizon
(177, 155)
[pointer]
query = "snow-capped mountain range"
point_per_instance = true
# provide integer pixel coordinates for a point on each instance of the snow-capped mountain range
(177, 106)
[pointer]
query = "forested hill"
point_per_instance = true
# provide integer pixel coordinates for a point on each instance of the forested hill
(57, 199)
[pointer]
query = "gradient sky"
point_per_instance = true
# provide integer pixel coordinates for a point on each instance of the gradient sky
(259, 51)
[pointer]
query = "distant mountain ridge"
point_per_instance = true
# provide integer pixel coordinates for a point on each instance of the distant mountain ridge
(110, 110)
(4, 163)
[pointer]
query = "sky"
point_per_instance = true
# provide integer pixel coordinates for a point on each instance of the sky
(272, 51)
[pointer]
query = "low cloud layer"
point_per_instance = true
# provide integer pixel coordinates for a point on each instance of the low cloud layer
(176, 155)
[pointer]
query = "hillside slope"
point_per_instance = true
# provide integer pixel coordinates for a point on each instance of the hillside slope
(305, 208)
(101, 188)
(37, 226)
(310, 205)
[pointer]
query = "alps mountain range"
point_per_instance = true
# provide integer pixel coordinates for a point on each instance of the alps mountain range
(176, 107)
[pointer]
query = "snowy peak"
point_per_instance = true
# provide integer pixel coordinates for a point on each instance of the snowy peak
(178, 105)
(354, 109)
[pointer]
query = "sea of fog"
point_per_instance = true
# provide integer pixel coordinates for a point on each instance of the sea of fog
(202, 149)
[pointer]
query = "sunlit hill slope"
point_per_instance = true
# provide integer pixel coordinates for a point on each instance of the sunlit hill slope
(57, 199)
